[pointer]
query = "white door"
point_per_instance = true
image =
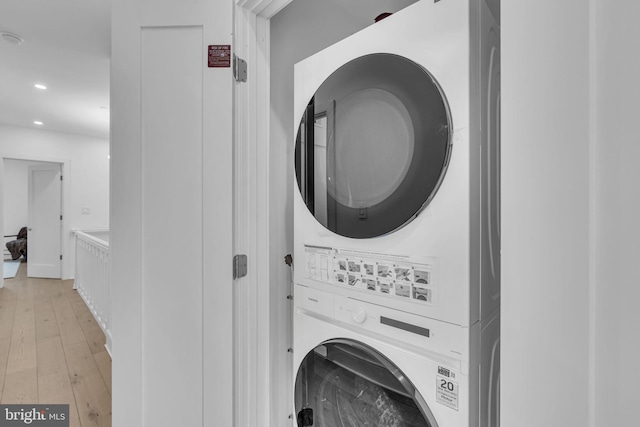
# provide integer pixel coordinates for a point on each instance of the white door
(45, 221)
(171, 213)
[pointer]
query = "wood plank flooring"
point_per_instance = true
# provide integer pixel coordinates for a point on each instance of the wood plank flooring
(52, 350)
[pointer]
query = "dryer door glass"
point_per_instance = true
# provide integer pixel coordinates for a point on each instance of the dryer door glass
(373, 146)
(343, 383)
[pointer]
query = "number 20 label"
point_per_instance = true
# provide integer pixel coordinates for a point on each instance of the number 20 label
(446, 384)
(447, 392)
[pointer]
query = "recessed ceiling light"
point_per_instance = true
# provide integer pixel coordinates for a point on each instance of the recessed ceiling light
(37, 122)
(11, 38)
(40, 86)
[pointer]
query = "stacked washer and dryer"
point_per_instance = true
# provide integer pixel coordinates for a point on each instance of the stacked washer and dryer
(396, 223)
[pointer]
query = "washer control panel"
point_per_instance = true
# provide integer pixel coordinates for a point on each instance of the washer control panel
(411, 331)
(394, 276)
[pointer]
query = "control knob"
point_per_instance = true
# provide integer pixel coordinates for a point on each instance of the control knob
(358, 314)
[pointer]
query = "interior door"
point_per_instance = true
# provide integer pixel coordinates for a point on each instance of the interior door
(45, 221)
(172, 213)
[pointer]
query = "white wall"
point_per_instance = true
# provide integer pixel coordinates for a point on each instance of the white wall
(2, 215)
(15, 195)
(570, 205)
(86, 182)
(545, 213)
(16, 192)
(617, 213)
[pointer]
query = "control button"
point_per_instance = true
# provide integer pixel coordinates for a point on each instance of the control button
(311, 260)
(358, 314)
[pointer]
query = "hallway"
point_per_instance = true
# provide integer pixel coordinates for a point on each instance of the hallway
(52, 350)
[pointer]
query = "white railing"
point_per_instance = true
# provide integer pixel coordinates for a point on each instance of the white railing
(93, 276)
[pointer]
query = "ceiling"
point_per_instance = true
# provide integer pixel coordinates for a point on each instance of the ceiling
(66, 47)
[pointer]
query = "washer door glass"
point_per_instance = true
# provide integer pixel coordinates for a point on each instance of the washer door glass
(343, 383)
(373, 146)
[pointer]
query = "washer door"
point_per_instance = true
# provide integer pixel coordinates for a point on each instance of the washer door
(343, 383)
(373, 146)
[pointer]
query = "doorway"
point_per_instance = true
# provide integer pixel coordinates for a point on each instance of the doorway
(271, 37)
(33, 197)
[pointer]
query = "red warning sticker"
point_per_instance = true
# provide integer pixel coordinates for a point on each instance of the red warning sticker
(219, 56)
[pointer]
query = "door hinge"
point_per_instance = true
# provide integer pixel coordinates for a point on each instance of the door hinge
(60, 217)
(61, 257)
(239, 69)
(239, 266)
(60, 177)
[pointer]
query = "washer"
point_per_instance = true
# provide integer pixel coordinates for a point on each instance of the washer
(360, 364)
(396, 223)
(397, 163)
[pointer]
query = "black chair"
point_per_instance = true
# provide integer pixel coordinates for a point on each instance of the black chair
(18, 247)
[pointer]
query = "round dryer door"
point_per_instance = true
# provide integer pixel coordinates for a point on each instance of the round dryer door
(343, 383)
(373, 146)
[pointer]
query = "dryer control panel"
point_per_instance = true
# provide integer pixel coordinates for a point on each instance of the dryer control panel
(393, 276)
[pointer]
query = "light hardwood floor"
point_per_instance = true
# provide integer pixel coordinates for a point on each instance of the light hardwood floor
(52, 350)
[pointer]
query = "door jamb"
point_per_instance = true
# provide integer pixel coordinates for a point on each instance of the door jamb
(252, 111)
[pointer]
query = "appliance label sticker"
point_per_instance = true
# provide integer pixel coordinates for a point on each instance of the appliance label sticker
(447, 392)
(444, 371)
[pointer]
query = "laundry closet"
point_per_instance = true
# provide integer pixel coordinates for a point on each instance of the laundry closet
(396, 244)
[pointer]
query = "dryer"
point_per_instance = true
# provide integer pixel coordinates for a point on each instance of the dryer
(397, 163)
